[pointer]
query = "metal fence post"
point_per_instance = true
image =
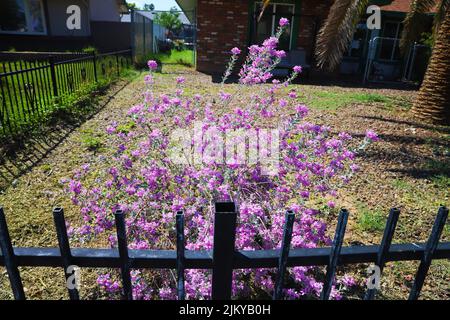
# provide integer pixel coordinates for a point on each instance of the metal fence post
(53, 75)
(384, 247)
(94, 61)
(284, 253)
(123, 253)
(430, 248)
(180, 255)
(334, 254)
(117, 65)
(10, 259)
(64, 248)
(223, 253)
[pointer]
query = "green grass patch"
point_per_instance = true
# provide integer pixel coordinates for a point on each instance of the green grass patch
(332, 100)
(183, 57)
(441, 181)
(401, 184)
(91, 141)
(370, 220)
(126, 128)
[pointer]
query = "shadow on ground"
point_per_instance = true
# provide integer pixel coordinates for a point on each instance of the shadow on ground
(21, 156)
(410, 148)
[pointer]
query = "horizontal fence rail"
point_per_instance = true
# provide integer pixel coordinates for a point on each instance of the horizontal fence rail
(30, 89)
(224, 258)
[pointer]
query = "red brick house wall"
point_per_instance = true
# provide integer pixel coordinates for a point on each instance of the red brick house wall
(222, 25)
(312, 15)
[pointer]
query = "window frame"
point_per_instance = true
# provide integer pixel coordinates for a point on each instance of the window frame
(360, 26)
(28, 22)
(274, 13)
(396, 40)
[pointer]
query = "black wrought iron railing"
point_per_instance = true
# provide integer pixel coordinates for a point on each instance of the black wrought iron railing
(30, 89)
(224, 258)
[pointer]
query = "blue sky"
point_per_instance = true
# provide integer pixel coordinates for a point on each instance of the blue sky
(159, 4)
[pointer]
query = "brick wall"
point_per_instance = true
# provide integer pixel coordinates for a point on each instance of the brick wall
(313, 13)
(222, 25)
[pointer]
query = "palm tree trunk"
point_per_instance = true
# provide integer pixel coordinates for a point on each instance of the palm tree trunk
(433, 99)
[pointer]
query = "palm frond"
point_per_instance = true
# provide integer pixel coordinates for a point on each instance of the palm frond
(265, 5)
(440, 14)
(337, 32)
(413, 24)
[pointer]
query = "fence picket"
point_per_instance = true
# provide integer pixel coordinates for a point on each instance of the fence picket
(223, 252)
(180, 255)
(384, 247)
(432, 244)
(10, 259)
(334, 254)
(64, 247)
(284, 253)
(123, 253)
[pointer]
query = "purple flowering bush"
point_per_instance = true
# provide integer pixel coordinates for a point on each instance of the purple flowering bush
(150, 185)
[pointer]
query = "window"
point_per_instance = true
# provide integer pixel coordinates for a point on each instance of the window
(356, 47)
(22, 16)
(389, 46)
(268, 24)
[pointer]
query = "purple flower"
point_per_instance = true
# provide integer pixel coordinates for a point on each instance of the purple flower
(371, 135)
(280, 54)
(180, 80)
(298, 69)
(348, 281)
(301, 110)
(284, 22)
(283, 103)
(152, 64)
(236, 51)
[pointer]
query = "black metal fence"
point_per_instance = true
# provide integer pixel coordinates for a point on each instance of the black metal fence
(30, 89)
(224, 258)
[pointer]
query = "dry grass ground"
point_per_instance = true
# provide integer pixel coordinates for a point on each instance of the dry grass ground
(408, 169)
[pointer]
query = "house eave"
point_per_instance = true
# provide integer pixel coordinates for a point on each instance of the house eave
(188, 7)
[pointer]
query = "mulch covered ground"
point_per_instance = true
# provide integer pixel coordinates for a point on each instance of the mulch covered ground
(408, 169)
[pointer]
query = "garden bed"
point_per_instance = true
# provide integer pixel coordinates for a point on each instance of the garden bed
(408, 168)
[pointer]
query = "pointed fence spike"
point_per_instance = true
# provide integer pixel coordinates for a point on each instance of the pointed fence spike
(180, 255)
(334, 254)
(284, 253)
(123, 253)
(430, 248)
(64, 248)
(386, 242)
(10, 259)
